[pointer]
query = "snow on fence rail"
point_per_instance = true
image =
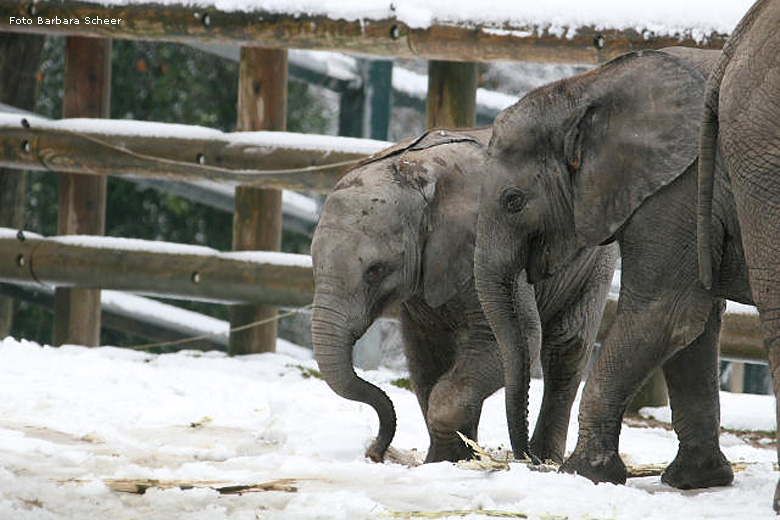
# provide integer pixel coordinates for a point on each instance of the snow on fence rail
(157, 268)
(179, 152)
(553, 31)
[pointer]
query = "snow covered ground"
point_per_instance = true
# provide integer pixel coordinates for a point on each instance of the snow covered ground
(74, 420)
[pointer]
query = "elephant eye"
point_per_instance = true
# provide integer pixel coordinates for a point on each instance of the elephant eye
(513, 201)
(375, 272)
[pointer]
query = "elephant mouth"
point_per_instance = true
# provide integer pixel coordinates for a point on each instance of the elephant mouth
(537, 266)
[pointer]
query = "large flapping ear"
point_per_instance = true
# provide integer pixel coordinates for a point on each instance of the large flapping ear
(451, 217)
(634, 131)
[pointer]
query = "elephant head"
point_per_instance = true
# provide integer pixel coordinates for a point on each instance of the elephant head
(569, 164)
(571, 161)
(381, 240)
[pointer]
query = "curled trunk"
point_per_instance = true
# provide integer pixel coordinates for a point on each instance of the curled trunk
(333, 343)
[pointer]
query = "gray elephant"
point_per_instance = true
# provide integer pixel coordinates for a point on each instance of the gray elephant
(742, 107)
(610, 155)
(400, 229)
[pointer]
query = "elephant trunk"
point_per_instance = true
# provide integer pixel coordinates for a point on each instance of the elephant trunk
(333, 344)
(510, 307)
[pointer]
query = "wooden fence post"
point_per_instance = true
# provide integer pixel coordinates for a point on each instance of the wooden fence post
(22, 54)
(737, 380)
(365, 111)
(82, 199)
(257, 220)
(452, 94)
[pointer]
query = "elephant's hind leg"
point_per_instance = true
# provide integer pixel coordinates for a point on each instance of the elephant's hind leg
(693, 383)
(639, 341)
(455, 402)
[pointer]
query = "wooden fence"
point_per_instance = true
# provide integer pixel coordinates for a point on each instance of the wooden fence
(85, 154)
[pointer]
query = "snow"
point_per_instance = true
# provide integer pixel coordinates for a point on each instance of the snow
(261, 139)
(697, 18)
(74, 418)
(154, 246)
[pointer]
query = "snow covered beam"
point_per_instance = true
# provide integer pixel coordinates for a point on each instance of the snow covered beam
(157, 268)
(178, 152)
(560, 32)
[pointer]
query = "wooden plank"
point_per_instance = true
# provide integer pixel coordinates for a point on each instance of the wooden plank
(741, 340)
(169, 156)
(452, 95)
(257, 219)
(386, 37)
(122, 320)
(153, 268)
(82, 198)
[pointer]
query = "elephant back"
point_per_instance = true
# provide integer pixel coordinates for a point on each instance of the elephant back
(429, 139)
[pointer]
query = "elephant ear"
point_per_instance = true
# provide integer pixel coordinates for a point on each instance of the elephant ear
(448, 257)
(635, 131)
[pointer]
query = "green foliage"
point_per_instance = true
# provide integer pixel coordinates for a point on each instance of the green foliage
(307, 372)
(402, 382)
(162, 82)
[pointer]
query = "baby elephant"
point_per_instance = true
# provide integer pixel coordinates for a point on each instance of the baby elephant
(400, 229)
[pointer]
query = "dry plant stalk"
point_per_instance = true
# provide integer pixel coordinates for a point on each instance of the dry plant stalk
(139, 486)
(459, 512)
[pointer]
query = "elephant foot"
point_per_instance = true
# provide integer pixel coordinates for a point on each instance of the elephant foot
(528, 456)
(546, 451)
(451, 451)
(602, 467)
(695, 468)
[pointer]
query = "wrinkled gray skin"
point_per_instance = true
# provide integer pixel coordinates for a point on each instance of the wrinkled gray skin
(611, 155)
(742, 107)
(400, 229)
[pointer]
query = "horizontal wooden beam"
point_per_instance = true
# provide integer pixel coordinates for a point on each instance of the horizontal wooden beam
(387, 37)
(157, 268)
(178, 152)
(118, 319)
(741, 340)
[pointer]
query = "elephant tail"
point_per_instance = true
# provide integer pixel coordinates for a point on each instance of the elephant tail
(708, 147)
(708, 141)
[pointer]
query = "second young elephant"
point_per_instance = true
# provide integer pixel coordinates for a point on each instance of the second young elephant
(610, 156)
(400, 229)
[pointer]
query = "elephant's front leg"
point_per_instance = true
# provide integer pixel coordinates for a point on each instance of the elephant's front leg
(563, 360)
(635, 346)
(693, 383)
(455, 402)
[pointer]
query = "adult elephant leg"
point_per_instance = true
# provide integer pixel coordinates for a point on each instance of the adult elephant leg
(749, 107)
(756, 186)
(693, 383)
(455, 403)
(762, 246)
